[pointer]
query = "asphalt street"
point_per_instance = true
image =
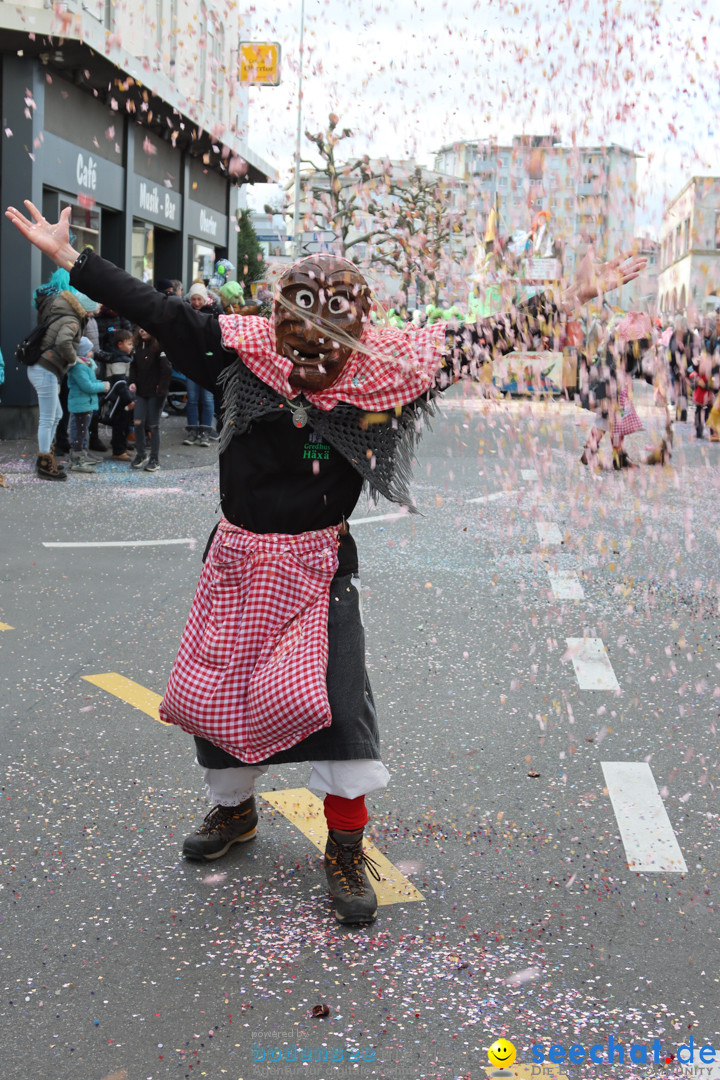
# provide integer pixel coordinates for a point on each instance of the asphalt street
(121, 961)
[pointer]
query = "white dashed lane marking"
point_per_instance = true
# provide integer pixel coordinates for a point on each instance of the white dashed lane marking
(592, 664)
(378, 517)
(548, 532)
(566, 586)
(491, 497)
(647, 835)
(118, 543)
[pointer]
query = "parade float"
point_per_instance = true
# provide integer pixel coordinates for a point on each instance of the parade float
(507, 271)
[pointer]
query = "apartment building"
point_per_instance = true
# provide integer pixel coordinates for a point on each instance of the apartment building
(589, 191)
(134, 117)
(689, 280)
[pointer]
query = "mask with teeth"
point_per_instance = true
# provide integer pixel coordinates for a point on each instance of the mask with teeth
(321, 306)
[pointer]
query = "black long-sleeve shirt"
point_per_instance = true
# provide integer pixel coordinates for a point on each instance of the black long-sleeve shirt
(274, 477)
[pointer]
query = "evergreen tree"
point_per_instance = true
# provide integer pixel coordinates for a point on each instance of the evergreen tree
(251, 264)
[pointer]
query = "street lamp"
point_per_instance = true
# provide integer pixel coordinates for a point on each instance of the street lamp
(296, 211)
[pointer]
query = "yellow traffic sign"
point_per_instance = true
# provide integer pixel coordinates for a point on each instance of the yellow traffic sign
(260, 63)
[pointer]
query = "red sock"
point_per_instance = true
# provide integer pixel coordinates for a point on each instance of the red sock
(348, 815)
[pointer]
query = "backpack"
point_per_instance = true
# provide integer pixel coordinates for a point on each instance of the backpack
(109, 404)
(30, 350)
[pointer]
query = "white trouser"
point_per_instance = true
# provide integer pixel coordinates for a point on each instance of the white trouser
(350, 779)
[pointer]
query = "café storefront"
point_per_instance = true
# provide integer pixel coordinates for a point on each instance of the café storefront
(151, 204)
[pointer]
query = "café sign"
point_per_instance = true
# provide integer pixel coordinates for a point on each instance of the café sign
(67, 167)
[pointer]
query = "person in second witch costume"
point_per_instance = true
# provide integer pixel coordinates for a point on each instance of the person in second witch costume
(317, 403)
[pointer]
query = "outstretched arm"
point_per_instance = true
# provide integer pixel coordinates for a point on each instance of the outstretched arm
(597, 278)
(190, 338)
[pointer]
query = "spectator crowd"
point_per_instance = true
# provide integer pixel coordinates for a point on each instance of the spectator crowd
(95, 369)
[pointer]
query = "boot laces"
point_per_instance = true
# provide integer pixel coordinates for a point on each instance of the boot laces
(351, 861)
(219, 817)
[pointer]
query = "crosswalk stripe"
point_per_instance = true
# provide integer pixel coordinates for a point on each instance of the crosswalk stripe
(305, 811)
(566, 585)
(647, 835)
(131, 692)
(592, 664)
(298, 805)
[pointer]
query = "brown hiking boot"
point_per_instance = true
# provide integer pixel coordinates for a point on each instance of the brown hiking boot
(47, 468)
(345, 862)
(223, 827)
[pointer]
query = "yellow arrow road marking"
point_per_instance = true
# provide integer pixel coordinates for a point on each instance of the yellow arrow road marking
(305, 811)
(131, 692)
(4, 626)
(298, 805)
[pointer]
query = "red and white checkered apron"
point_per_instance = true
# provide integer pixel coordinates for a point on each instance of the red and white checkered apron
(625, 418)
(251, 673)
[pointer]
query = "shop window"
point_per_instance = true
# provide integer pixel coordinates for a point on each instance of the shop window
(142, 263)
(203, 261)
(159, 29)
(219, 73)
(173, 37)
(211, 49)
(85, 224)
(203, 42)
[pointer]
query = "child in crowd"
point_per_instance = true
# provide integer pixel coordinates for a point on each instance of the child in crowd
(83, 390)
(702, 392)
(118, 355)
(150, 372)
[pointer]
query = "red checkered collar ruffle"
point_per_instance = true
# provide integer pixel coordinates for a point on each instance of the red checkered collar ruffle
(400, 367)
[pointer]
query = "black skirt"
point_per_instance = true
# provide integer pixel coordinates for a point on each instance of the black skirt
(353, 732)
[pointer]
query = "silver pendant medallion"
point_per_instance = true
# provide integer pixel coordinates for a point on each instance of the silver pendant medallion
(300, 416)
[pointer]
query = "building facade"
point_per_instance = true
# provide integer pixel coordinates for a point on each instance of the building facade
(689, 281)
(589, 192)
(132, 117)
(642, 293)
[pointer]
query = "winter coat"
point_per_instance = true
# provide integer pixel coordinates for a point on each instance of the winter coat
(682, 349)
(212, 307)
(117, 364)
(62, 337)
(83, 388)
(91, 332)
(107, 321)
(150, 370)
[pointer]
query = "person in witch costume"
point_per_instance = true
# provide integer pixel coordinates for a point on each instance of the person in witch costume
(317, 403)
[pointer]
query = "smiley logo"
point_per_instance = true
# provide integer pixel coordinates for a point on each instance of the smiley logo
(502, 1054)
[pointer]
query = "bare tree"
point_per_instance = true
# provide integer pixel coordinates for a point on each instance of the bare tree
(419, 232)
(337, 194)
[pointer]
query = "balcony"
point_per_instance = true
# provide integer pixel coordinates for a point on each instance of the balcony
(592, 187)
